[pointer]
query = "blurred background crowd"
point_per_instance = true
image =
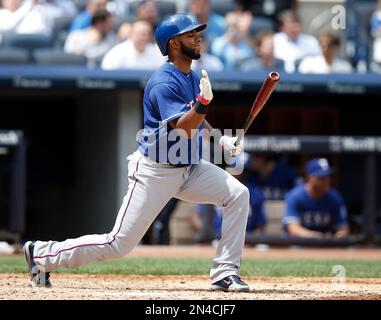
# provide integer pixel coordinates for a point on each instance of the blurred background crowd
(245, 35)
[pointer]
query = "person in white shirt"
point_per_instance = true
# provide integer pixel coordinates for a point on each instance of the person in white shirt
(207, 60)
(236, 43)
(327, 62)
(290, 44)
(137, 52)
(95, 41)
(24, 17)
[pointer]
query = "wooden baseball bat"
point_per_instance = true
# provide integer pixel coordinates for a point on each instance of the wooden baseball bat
(263, 95)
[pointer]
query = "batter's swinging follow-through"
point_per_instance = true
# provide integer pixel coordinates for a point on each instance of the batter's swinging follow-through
(175, 102)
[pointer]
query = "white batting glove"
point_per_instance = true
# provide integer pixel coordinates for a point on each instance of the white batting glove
(206, 94)
(227, 143)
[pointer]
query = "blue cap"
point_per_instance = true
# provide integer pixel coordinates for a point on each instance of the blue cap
(318, 167)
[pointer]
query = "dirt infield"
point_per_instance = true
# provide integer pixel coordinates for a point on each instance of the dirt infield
(133, 287)
(88, 287)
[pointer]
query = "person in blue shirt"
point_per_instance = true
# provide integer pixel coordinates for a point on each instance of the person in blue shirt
(272, 175)
(314, 209)
(83, 20)
(235, 45)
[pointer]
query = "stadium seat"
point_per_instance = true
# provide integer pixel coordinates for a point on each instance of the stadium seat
(62, 23)
(26, 41)
(60, 39)
(58, 57)
(60, 31)
(13, 56)
(222, 7)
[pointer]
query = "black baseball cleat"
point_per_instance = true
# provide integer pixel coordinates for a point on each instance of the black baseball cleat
(231, 283)
(38, 277)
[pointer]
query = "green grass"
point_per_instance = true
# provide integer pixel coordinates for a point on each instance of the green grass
(183, 266)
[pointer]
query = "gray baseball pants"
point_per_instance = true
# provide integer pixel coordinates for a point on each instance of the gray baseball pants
(151, 185)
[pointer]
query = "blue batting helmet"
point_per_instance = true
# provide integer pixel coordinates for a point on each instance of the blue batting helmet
(174, 25)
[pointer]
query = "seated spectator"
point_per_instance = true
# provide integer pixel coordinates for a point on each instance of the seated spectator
(148, 10)
(207, 61)
(94, 41)
(314, 209)
(201, 9)
(272, 175)
(265, 59)
(327, 62)
(83, 20)
(290, 44)
(376, 33)
(235, 44)
(26, 17)
(138, 52)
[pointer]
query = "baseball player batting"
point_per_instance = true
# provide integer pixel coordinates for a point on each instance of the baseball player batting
(175, 101)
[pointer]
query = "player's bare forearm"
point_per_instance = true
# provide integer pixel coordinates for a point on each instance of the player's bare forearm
(189, 122)
(297, 230)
